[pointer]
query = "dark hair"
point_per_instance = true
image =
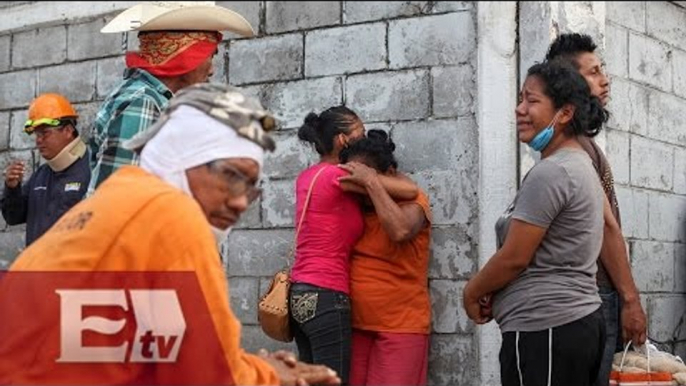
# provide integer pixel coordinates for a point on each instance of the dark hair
(568, 46)
(564, 85)
(376, 149)
(321, 129)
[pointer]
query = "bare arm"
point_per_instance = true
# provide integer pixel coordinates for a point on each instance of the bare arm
(614, 257)
(399, 186)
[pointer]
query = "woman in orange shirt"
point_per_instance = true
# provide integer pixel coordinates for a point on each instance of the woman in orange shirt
(391, 309)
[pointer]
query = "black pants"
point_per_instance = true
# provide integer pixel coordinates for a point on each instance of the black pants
(565, 355)
(322, 327)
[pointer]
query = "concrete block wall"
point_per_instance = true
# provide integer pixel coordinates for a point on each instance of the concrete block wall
(646, 145)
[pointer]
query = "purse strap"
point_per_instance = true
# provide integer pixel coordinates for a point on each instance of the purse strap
(302, 216)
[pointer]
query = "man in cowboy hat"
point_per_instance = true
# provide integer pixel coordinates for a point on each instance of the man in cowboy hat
(58, 184)
(177, 43)
(152, 224)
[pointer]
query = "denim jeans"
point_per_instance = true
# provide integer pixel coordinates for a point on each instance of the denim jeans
(611, 314)
(322, 328)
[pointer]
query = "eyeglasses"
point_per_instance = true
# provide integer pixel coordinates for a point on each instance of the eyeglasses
(238, 183)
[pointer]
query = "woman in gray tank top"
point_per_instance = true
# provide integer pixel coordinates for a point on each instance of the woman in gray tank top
(542, 278)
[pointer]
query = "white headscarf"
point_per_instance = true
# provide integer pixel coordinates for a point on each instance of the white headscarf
(190, 138)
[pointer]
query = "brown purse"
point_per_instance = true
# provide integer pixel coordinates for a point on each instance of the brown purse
(272, 310)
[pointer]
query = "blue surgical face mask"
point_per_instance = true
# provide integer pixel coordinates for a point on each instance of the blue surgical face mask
(542, 139)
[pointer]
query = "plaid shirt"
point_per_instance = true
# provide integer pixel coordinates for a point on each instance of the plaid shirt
(131, 108)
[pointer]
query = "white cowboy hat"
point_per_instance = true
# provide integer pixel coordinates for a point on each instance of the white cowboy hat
(179, 15)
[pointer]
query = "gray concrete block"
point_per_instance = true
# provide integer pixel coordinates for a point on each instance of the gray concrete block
(617, 50)
(84, 41)
(630, 14)
(26, 156)
(253, 339)
(87, 113)
(649, 62)
(453, 360)
(667, 118)
(633, 206)
(132, 42)
(250, 10)
(11, 245)
(454, 253)
(5, 45)
(359, 11)
(220, 65)
(18, 89)
(436, 145)
(291, 102)
(76, 81)
(666, 312)
(452, 6)
(278, 209)
(432, 40)
(679, 268)
(266, 59)
(251, 218)
(39, 47)
(328, 52)
(653, 263)
(243, 294)
(285, 16)
(453, 91)
(19, 140)
(378, 126)
(5, 129)
(618, 155)
(680, 171)
(667, 22)
(258, 252)
(388, 96)
(291, 157)
(667, 217)
(453, 196)
(110, 72)
(628, 107)
(448, 314)
(652, 164)
(679, 72)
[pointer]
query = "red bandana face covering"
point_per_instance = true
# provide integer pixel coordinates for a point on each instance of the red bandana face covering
(173, 53)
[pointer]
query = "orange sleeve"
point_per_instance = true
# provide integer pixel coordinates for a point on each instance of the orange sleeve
(423, 201)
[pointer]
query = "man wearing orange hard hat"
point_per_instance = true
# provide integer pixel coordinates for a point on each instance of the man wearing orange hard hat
(177, 43)
(58, 184)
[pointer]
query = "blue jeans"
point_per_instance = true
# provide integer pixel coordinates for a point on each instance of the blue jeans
(321, 324)
(611, 313)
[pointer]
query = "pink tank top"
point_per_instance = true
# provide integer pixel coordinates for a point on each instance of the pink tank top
(332, 225)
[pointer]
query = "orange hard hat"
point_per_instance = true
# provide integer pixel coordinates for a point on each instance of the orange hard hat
(49, 107)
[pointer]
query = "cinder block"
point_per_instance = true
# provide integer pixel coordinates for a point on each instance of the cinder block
(253, 339)
(19, 140)
(87, 113)
(452, 6)
(5, 129)
(251, 218)
(453, 195)
(359, 11)
(680, 170)
(266, 59)
(110, 73)
(243, 294)
(667, 118)
(285, 16)
(448, 314)
(678, 72)
(617, 50)
(432, 40)
(652, 164)
(18, 89)
(79, 88)
(667, 22)
(453, 91)
(436, 145)
(649, 62)
(633, 209)
(453, 360)
(664, 318)
(220, 65)
(667, 218)
(84, 41)
(258, 252)
(454, 253)
(630, 14)
(291, 157)
(5, 52)
(278, 209)
(250, 10)
(328, 52)
(39, 47)
(389, 95)
(291, 102)
(11, 245)
(679, 268)
(653, 266)
(628, 107)
(618, 155)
